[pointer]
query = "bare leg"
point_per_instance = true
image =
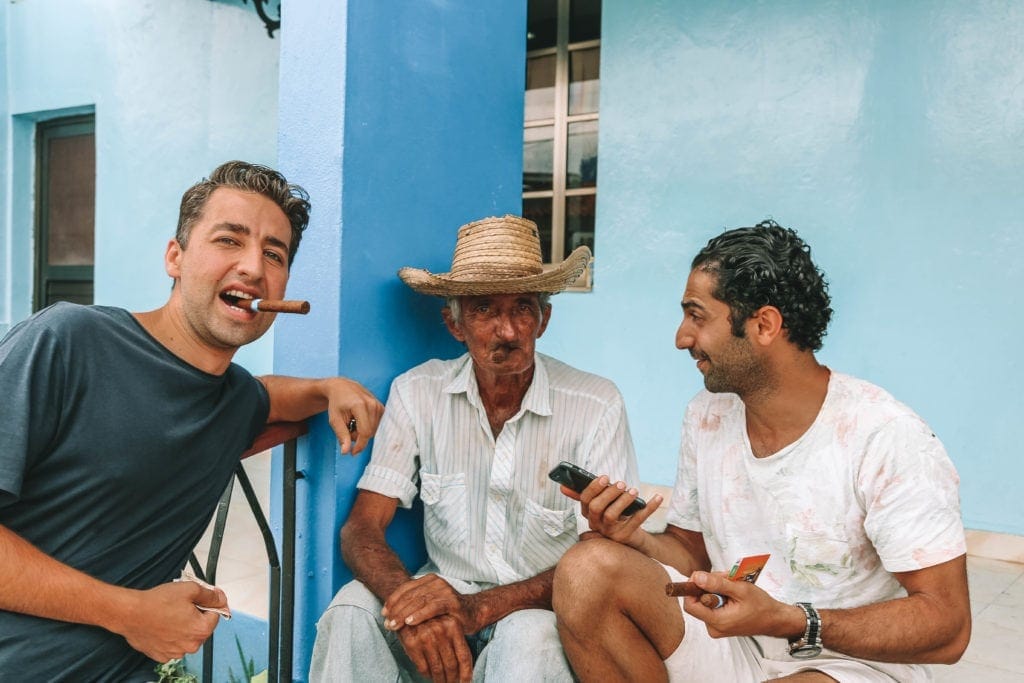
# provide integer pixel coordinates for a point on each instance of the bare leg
(615, 621)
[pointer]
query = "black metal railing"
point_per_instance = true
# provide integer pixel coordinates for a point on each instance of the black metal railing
(281, 615)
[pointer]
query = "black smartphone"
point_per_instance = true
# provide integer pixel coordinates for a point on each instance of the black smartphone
(577, 478)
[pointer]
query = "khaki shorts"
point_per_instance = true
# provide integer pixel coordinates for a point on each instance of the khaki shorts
(700, 657)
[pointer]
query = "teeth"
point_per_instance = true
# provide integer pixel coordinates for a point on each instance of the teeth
(238, 294)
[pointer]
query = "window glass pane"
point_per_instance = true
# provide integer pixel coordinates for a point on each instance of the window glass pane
(541, 24)
(540, 88)
(584, 20)
(584, 80)
(581, 155)
(77, 292)
(71, 194)
(579, 222)
(538, 210)
(538, 158)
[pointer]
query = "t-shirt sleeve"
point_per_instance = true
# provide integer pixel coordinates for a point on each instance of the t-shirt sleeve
(910, 492)
(684, 510)
(31, 384)
(393, 469)
(262, 413)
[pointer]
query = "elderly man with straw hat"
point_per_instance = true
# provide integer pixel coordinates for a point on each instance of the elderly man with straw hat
(474, 438)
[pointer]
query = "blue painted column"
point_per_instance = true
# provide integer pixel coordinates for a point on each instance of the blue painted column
(403, 120)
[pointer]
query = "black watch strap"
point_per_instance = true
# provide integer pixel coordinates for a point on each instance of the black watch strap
(809, 644)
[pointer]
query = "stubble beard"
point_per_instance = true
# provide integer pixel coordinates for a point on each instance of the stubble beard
(221, 334)
(736, 370)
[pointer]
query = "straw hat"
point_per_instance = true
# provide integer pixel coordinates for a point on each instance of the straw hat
(498, 256)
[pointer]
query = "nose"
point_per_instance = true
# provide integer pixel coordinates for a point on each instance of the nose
(505, 329)
(684, 338)
(250, 262)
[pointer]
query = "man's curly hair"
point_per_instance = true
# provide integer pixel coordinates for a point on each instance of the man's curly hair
(768, 265)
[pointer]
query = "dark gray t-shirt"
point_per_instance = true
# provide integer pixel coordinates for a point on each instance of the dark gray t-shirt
(113, 455)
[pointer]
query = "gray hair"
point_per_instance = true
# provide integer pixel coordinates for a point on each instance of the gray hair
(452, 303)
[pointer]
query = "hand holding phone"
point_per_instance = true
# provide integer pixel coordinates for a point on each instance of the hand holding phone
(576, 478)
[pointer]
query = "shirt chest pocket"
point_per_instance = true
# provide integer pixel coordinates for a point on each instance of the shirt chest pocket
(547, 534)
(821, 561)
(445, 508)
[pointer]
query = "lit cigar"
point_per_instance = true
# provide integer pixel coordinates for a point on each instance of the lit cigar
(274, 305)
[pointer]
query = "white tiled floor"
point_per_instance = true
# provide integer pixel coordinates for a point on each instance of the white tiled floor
(995, 655)
(243, 570)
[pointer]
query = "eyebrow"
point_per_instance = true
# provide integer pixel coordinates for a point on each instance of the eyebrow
(689, 304)
(240, 229)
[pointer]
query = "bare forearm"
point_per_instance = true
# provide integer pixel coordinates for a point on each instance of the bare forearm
(664, 549)
(496, 603)
(914, 629)
(372, 561)
(293, 398)
(35, 583)
(931, 625)
(675, 547)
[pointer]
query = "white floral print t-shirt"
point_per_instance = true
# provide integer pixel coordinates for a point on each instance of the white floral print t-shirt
(868, 490)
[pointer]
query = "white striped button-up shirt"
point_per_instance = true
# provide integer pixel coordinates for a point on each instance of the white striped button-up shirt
(491, 514)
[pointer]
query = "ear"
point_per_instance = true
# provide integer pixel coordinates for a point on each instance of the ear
(545, 317)
(453, 328)
(172, 259)
(765, 326)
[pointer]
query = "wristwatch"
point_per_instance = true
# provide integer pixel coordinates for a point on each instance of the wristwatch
(809, 644)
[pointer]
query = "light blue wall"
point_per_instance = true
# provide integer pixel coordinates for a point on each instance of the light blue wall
(890, 135)
(177, 87)
(5, 194)
(404, 120)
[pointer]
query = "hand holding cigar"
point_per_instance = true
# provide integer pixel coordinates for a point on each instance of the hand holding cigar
(680, 588)
(274, 305)
(747, 569)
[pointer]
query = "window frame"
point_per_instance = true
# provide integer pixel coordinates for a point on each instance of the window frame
(560, 123)
(44, 273)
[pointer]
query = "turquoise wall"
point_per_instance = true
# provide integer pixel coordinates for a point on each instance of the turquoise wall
(176, 87)
(404, 120)
(5, 192)
(888, 134)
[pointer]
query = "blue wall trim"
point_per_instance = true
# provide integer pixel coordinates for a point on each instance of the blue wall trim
(424, 103)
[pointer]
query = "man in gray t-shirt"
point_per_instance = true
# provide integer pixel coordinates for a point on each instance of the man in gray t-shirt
(119, 431)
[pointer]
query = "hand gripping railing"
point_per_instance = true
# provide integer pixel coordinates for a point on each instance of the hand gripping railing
(282, 570)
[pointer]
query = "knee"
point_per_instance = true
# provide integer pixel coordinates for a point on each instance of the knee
(528, 630)
(587, 570)
(535, 633)
(354, 607)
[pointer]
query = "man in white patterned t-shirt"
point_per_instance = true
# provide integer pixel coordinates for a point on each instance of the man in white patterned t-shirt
(475, 438)
(846, 489)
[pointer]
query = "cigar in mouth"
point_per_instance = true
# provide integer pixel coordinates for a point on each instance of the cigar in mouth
(274, 305)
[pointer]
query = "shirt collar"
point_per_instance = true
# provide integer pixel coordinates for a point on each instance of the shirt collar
(538, 395)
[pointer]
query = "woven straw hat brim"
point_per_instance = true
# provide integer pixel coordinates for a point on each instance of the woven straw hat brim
(551, 281)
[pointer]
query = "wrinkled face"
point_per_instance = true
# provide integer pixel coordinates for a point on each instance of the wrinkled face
(728, 362)
(500, 331)
(238, 249)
